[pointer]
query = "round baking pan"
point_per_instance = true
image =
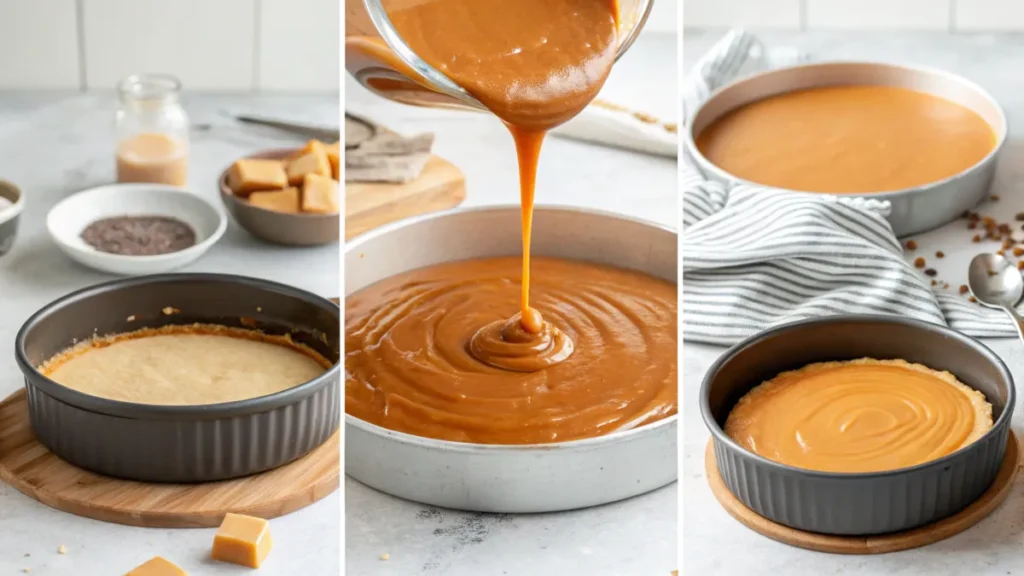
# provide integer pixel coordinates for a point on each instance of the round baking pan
(506, 478)
(182, 443)
(914, 209)
(862, 503)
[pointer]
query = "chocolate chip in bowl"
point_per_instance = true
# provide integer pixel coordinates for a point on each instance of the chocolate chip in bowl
(863, 496)
(286, 196)
(241, 376)
(134, 229)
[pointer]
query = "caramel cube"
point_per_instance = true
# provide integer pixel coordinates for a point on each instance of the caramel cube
(334, 157)
(252, 175)
(157, 566)
(319, 194)
(312, 160)
(242, 540)
(286, 200)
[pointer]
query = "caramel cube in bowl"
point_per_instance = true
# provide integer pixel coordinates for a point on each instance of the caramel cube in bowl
(157, 566)
(242, 540)
(312, 160)
(253, 174)
(319, 194)
(334, 157)
(286, 200)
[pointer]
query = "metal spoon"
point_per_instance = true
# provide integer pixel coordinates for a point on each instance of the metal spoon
(997, 283)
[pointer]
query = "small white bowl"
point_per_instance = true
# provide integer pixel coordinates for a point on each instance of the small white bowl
(68, 219)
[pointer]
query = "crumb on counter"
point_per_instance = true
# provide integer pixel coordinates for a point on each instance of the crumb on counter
(62, 549)
(931, 272)
(911, 245)
(940, 254)
(976, 239)
(995, 197)
(385, 556)
(170, 310)
(964, 289)
(919, 262)
(131, 318)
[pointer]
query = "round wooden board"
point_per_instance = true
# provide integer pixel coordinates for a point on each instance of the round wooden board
(38, 473)
(879, 544)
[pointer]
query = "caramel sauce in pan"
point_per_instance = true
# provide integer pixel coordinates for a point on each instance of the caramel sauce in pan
(859, 416)
(848, 140)
(417, 360)
(441, 352)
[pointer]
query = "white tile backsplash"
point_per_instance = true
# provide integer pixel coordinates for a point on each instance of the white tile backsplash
(209, 45)
(38, 44)
(971, 15)
(936, 15)
(753, 13)
(878, 14)
(299, 45)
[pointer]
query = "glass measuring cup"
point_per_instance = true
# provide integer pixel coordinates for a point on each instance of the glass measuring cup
(380, 60)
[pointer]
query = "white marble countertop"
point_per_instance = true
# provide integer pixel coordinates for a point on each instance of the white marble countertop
(52, 145)
(713, 542)
(636, 537)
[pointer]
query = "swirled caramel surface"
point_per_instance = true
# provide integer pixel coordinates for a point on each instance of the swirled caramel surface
(439, 352)
(859, 416)
(848, 140)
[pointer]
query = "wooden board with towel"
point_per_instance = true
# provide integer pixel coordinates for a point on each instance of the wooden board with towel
(389, 177)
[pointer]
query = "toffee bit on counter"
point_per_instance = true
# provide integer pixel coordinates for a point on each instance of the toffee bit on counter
(945, 285)
(1018, 251)
(935, 282)
(1020, 265)
(911, 245)
(62, 549)
(385, 556)
(976, 239)
(169, 310)
(931, 272)
(1003, 228)
(139, 235)
(994, 197)
(940, 254)
(919, 262)
(972, 299)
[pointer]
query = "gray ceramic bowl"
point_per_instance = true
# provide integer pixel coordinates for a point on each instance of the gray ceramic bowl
(277, 227)
(864, 503)
(182, 443)
(9, 215)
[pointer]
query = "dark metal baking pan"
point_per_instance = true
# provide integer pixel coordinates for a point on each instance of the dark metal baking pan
(863, 503)
(182, 443)
(914, 209)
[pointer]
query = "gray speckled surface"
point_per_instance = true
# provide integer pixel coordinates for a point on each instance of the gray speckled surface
(52, 145)
(716, 544)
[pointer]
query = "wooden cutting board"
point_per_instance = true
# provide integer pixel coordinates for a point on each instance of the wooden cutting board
(369, 205)
(28, 466)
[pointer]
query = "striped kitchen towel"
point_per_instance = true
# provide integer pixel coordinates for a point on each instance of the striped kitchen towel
(755, 257)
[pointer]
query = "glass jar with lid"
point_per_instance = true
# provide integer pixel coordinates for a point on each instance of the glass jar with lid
(152, 131)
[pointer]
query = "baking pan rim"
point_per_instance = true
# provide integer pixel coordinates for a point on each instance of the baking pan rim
(719, 434)
(706, 165)
(138, 411)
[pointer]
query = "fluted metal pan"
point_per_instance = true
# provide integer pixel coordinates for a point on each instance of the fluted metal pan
(914, 209)
(862, 503)
(182, 443)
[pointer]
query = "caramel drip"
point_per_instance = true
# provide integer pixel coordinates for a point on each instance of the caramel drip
(860, 416)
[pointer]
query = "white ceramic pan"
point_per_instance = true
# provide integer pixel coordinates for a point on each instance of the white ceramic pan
(515, 479)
